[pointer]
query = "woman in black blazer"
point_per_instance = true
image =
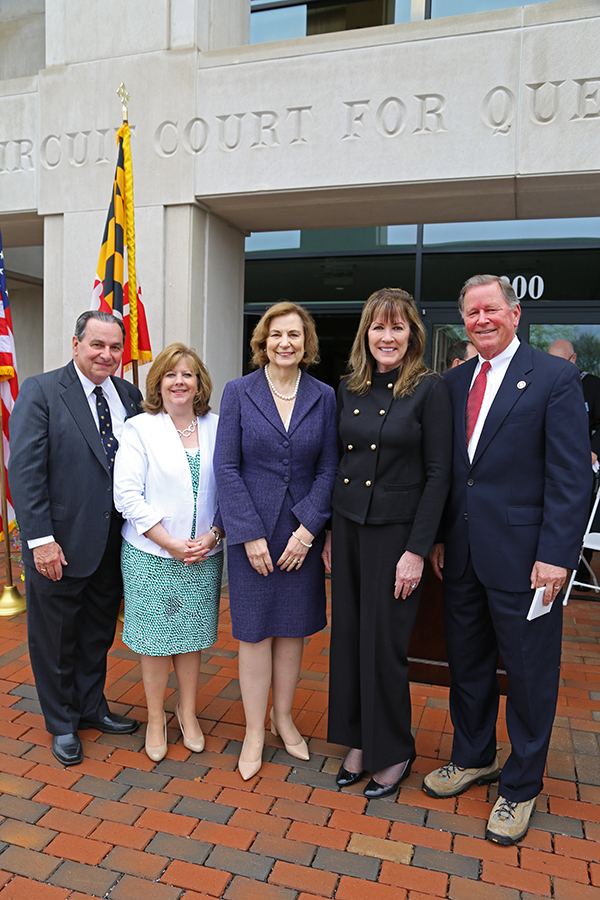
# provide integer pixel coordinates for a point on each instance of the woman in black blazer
(395, 429)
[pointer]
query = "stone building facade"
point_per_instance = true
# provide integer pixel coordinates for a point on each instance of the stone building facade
(470, 118)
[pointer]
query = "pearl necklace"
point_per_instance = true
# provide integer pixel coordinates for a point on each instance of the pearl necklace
(276, 392)
(188, 432)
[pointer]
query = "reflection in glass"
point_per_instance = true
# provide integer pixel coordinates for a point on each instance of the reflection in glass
(517, 230)
(442, 338)
(441, 8)
(278, 24)
(585, 340)
(405, 235)
(334, 240)
(272, 240)
(402, 12)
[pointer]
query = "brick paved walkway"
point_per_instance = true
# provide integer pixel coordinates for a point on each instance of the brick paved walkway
(189, 828)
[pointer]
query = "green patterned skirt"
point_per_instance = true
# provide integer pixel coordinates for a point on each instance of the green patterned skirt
(169, 607)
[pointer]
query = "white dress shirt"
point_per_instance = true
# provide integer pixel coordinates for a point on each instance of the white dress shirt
(117, 415)
(115, 404)
(495, 376)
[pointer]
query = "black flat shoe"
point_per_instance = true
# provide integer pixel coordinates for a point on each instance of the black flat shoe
(374, 790)
(111, 723)
(67, 748)
(344, 778)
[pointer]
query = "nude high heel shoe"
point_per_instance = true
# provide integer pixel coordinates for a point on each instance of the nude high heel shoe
(299, 750)
(157, 753)
(249, 767)
(196, 745)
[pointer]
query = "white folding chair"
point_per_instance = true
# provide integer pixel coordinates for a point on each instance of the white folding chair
(591, 541)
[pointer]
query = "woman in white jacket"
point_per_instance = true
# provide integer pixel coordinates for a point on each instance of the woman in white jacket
(165, 488)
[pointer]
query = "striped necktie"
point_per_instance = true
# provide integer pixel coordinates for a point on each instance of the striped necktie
(475, 399)
(109, 441)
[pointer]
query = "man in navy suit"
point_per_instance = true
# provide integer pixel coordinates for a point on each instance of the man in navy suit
(64, 432)
(513, 523)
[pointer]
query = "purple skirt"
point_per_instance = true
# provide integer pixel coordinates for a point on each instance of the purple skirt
(284, 604)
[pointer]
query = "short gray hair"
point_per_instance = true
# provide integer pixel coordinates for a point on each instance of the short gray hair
(505, 286)
(81, 323)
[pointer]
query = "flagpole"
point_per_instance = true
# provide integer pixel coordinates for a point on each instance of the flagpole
(11, 601)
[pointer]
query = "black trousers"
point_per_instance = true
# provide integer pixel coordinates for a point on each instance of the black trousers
(480, 621)
(71, 626)
(369, 697)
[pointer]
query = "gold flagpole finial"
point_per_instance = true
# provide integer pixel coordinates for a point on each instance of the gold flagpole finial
(125, 98)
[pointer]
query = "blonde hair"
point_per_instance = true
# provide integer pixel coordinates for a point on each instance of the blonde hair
(165, 362)
(258, 343)
(388, 305)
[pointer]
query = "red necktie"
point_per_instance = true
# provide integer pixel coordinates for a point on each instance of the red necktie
(475, 399)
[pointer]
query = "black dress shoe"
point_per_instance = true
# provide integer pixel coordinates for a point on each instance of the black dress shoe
(374, 790)
(344, 778)
(111, 723)
(67, 748)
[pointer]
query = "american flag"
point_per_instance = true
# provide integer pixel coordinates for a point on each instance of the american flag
(9, 384)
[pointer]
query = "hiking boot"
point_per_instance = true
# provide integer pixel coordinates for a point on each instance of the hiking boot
(509, 820)
(451, 780)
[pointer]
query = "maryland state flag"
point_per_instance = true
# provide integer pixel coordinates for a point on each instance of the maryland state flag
(115, 288)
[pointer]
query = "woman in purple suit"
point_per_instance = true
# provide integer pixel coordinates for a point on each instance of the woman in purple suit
(275, 464)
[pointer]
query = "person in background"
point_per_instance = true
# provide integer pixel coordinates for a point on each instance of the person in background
(458, 353)
(512, 526)
(64, 432)
(591, 394)
(171, 557)
(395, 429)
(275, 462)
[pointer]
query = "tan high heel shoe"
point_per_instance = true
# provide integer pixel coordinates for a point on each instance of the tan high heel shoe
(196, 745)
(299, 750)
(249, 767)
(157, 753)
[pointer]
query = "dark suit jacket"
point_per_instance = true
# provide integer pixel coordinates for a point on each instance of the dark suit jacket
(396, 460)
(526, 495)
(59, 478)
(257, 461)
(591, 395)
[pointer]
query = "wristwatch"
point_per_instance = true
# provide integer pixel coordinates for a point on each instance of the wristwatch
(217, 536)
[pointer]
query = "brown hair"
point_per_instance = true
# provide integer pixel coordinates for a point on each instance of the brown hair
(505, 287)
(258, 343)
(165, 362)
(388, 305)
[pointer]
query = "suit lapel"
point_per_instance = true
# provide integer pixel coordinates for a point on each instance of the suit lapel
(74, 397)
(131, 408)
(258, 391)
(507, 396)
(308, 394)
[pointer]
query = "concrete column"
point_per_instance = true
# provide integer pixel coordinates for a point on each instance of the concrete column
(222, 23)
(56, 330)
(204, 289)
(56, 32)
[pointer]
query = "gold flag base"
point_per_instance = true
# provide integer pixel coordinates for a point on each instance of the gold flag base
(11, 602)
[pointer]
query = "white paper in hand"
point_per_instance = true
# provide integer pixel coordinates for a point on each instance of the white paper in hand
(537, 607)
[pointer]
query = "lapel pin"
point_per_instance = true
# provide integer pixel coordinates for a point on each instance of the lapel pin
(521, 385)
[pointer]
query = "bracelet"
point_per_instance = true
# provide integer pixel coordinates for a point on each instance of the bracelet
(308, 546)
(216, 535)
